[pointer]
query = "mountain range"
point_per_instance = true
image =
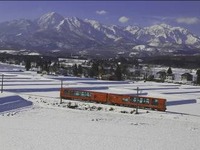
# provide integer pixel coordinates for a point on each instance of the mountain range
(54, 34)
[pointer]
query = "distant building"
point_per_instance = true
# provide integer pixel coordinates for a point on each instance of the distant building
(68, 62)
(170, 77)
(162, 74)
(187, 77)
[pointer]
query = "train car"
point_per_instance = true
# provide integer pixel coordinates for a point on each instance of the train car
(77, 94)
(141, 102)
(148, 102)
(115, 99)
(119, 99)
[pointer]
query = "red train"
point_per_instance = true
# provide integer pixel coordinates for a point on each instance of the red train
(115, 99)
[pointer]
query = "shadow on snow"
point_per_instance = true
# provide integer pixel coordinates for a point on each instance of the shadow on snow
(13, 102)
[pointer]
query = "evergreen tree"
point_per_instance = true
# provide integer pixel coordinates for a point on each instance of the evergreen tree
(28, 65)
(75, 70)
(198, 76)
(80, 69)
(118, 73)
(101, 70)
(94, 71)
(169, 71)
(46, 66)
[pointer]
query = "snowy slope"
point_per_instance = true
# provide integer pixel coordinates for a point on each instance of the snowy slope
(50, 125)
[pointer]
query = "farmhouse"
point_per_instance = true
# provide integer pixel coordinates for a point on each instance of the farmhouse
(187, 77)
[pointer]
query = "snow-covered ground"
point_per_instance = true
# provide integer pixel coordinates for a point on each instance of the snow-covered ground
(46, 124)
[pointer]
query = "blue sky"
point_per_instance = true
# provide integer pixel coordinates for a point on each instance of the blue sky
(180, 13)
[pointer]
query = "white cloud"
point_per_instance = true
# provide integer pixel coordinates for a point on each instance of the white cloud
(101, 12)
(123, 19)
(188, 20)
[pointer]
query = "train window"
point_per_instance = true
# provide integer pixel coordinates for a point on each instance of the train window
(82, 93)
(88, 94)
(134, 99)
(125, 99)
(141, 100)
(155, 102)
(85, 94)
(77, 93)
(147, 101)
(66, 92)
(71, 92)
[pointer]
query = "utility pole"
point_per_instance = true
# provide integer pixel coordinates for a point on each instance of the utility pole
(2, 83)
(61, 85)
(136, 112)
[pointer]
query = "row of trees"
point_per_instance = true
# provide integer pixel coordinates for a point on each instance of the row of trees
(190, 62)
(118, 68)
(97, 70)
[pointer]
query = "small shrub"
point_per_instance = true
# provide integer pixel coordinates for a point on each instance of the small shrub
(111, 109)
(132, 111)
(99, 108)
(69, 105)
(124, 112)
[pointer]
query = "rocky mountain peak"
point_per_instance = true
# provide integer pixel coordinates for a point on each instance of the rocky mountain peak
(132, 29)
(50, 20)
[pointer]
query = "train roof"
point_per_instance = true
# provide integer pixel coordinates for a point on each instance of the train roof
(107, 89)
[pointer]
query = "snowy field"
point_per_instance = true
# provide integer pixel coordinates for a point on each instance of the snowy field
(31, 117)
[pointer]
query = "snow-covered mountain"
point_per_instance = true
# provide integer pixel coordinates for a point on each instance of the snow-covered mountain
(53, 32)
(165, 34)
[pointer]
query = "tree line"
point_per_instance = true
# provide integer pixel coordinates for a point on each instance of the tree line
(117, 68)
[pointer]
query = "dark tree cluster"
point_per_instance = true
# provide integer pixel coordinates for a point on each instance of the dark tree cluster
(174, 61)
(198, 76)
